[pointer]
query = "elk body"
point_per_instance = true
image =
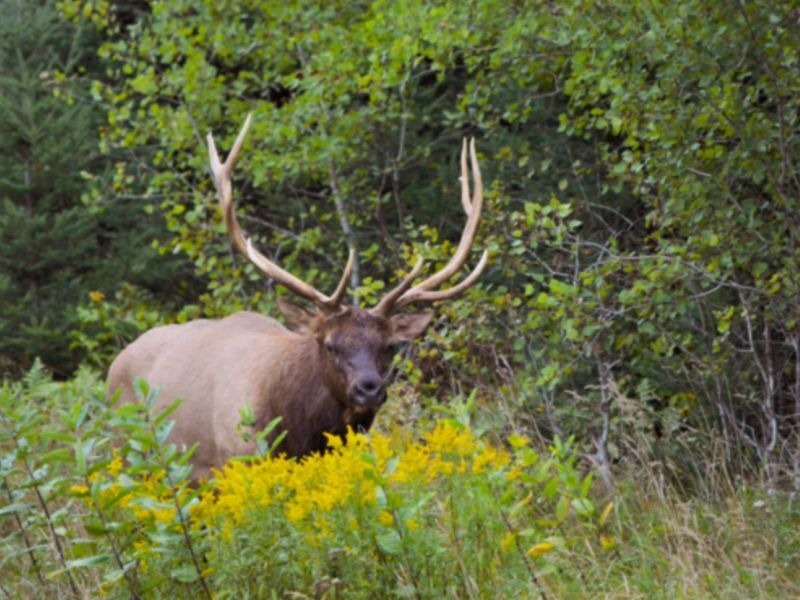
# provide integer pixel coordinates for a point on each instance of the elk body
(322, 375)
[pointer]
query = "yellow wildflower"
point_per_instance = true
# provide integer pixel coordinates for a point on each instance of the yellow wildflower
(507, 541)
(78, 490)
(540, 548)
(317, 493)
(438, 467)
(334, 441)
(440, 455)
(413, 463)
(489, 457)
(379, 446)
(518, 441)
(446, 438)
(115, 466)
(514, 474)
(608, 542)
(143, 551)
(96, 296)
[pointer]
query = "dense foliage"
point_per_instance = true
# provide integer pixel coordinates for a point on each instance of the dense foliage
(441, 512)
(55, 248)
(374, 514)
(642, 194)
(642, 197)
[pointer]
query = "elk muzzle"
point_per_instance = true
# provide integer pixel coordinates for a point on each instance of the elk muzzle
(367, 392)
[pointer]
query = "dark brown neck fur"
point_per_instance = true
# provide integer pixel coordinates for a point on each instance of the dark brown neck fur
(308, 407)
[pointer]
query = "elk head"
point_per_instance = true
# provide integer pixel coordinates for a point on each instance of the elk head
(353, 344)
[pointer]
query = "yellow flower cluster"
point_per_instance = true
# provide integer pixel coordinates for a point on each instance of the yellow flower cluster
(307, 492)
(146, 498)
(446, 450)
(116, 465)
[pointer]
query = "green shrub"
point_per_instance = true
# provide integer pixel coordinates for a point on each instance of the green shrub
(439, 511)
(443, 512)
(446, 515)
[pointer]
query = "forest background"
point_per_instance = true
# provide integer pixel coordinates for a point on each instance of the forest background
(642, 209)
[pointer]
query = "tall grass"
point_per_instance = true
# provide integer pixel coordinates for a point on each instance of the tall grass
(96, 503)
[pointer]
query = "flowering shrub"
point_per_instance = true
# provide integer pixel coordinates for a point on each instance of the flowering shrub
(82, 519)
(446, 514)
(434, 511)
(437, 511)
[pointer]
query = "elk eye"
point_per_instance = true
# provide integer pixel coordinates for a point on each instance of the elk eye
(330, 347)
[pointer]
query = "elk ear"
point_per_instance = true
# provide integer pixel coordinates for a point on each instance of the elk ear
(299, 318)
(407, 327)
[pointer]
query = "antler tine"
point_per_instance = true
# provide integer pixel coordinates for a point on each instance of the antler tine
(466, 201)
(449, 293)
(384, 307)
(338, 294)
(470, 229)
(222, 178)
(422, 292)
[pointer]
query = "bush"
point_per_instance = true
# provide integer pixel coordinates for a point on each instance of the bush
(445, 513)
(441, 512)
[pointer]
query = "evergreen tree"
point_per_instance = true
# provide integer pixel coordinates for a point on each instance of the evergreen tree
(54, 247)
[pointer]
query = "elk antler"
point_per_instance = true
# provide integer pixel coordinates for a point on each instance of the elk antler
(404, 294)
(222, 178)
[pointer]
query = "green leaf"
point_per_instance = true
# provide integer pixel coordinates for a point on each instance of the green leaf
(13, 508)
(168, 411)
(562, 509)
(185, 574)
(583, 506)
(81, 563)
(389, 541)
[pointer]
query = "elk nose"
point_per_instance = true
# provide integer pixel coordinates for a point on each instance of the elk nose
(370, 391)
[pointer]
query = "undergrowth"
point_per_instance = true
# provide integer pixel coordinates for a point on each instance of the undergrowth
(95, 502)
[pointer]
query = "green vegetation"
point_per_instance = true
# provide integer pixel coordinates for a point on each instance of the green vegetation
(438, 512)
(57, 246)
(643, 193)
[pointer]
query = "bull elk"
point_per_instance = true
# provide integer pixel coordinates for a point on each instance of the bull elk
(322, 375)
